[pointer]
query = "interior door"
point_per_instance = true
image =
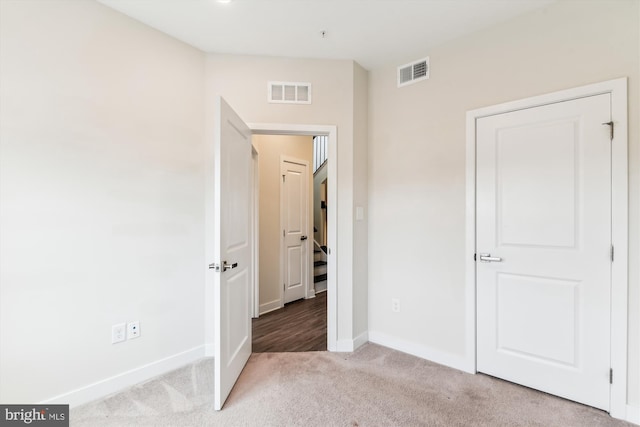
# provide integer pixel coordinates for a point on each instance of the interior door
(232, 292)
(295, 228)
(543, 248)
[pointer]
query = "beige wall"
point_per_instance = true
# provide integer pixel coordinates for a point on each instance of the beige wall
(361, 200)
(102, 196)
(417, 159)
(270, 149)
(242, 81)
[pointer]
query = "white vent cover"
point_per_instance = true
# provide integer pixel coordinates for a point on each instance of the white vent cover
(289, 93)
(413, 72)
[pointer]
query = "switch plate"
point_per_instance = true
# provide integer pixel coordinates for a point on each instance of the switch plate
(118, 333)
(395, 305)
(133, 330)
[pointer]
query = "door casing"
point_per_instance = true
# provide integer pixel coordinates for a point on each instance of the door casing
(619, 216)
(255, 231)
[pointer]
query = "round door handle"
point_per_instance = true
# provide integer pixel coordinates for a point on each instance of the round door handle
(303, 238)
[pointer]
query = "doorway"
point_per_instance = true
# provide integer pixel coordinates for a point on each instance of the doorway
(290, 317)
(284, 220)
(331, 134)
(546, 205)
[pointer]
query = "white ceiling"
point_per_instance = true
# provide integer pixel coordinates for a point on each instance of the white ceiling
(372, 32)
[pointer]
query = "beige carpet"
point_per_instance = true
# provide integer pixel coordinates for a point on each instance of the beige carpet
(373, 386)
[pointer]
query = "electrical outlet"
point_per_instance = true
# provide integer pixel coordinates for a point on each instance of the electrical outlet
(395, 305)
(118, 333)
(133, 330)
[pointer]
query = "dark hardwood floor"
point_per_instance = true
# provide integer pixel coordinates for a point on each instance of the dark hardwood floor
(298, 326)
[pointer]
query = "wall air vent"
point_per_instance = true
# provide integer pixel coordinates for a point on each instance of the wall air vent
(289, 93)
(413, 72)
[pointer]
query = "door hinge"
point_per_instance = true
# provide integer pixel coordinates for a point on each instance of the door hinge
(283, 233)
(474, 257)
(611, 253)
(610, 124)
(611, 376)
(284, 286)
(283, 178)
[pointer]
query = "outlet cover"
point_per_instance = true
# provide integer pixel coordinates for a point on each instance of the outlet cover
(118, 333)
(133, 330)
(395, 305)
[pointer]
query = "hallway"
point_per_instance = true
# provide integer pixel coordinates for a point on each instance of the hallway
(299, 326)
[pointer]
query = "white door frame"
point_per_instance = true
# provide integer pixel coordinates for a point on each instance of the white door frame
(619, 228)
(255, 231)
(308, 293)
(332, 209)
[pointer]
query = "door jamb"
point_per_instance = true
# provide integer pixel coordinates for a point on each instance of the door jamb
(332, 208)
(255, 231)
(619, 224)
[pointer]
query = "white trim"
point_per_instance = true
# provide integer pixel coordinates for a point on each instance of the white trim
(344, 346)
(332, 209)
(116, 383)
(209, 350)
(633, 414)
(419, 350)
(351, 345)
(255, 232)
(619, 282)
(361, 340)
(270, 306)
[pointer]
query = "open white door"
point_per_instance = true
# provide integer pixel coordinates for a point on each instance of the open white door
(232, 284)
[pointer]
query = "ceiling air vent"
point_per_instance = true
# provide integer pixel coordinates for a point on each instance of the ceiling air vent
(289, 93)
(413, 72)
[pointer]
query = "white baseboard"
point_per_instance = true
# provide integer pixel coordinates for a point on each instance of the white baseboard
(633, 414)
(351, 345)
(126, 379)
(209, 350)
(419, 350)
(344, 346)
(270, 306)
(360, 340)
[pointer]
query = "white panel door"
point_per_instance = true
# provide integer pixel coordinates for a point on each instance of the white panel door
(544, 216)
(232, 290)
(295, 226)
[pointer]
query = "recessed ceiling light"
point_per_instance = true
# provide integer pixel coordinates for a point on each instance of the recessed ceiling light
(223, 1)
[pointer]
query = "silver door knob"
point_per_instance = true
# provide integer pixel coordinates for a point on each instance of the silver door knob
(226, 266)
(489, 258)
